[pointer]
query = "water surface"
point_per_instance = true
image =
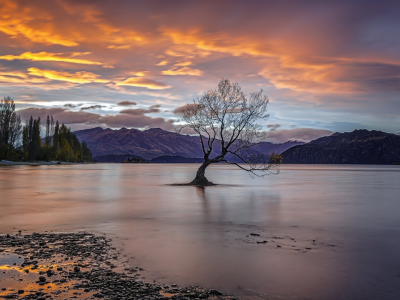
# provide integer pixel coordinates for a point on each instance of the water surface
(319, 232)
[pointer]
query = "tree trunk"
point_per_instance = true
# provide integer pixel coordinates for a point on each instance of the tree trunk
(201, 179)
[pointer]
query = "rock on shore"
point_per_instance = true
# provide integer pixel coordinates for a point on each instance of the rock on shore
(77, 265)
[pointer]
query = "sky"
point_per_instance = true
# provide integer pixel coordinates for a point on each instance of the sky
(326, 66)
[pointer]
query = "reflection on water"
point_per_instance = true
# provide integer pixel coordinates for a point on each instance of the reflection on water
(315, 232)
(18, 281)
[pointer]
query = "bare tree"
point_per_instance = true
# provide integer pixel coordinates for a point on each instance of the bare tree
(225, 118)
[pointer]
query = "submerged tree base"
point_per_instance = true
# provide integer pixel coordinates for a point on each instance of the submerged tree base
(192, 184)
(200, 181)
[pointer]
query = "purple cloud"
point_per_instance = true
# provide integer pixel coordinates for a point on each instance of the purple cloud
(131, 120)
(126, 103)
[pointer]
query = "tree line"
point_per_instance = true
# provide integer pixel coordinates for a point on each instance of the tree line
(59, 143)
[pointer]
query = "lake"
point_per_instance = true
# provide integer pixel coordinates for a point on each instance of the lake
(311, 232)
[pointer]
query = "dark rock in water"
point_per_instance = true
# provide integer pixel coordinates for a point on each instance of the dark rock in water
(98, 295)
(42, 279)
(254, 234)
(21, 291)
(77, 269)
(357, 147)
(215, 293)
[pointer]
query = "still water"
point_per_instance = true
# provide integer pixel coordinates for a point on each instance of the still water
(311, 232)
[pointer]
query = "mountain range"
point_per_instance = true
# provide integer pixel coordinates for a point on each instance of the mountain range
(356, 147)
(160, 146)
(155, 145)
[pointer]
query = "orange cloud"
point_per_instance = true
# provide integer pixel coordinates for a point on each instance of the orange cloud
(146, 83)
(235, 46)
(183, 71)
(78, 77)
(290, 72)
(13, 74)
(285, 69)
(183, 64)
(162, 63)
(42, 25)
(32, 23)
(119, 47)
(98, 24)
(286, 49)
(19, 78)
(45, 56)
(140, 74)
(181, 68)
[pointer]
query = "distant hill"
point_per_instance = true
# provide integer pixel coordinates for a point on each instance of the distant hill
(269, 148)
(357, 147)
(148, 144)
(109, 145)
(176, 159)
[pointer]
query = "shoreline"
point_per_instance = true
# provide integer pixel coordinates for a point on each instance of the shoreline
(42, 163)
(78, 265)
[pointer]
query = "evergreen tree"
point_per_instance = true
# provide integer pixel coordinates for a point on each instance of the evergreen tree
(47, 138)
(51, 128)
(25, 143)
(86, 153)
(31, 149)
(59, 142)
(36, 140)
(56, 137)
(65, 145)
